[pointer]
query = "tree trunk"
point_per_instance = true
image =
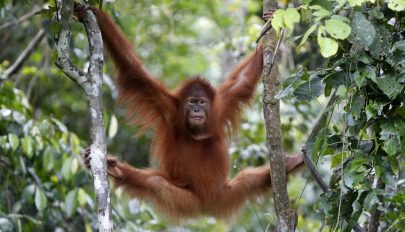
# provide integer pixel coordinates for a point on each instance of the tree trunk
(91, 82)
(287, 219)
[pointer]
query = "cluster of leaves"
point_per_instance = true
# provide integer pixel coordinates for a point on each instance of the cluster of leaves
(43, 181)
(44, 186)
(364, 129)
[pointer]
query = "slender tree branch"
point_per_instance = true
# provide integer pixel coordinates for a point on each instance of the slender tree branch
(19, 20)
(16, 66)
(311, 138)
(91, 82)
(287, 219)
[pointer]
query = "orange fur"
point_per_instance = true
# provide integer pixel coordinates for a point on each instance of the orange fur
(192, 178)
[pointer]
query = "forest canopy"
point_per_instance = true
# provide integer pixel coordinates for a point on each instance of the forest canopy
(342, 71)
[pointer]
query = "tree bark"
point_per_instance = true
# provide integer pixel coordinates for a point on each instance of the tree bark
(91, 82)
(287, 219)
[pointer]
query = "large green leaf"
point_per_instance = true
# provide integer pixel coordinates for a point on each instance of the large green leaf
(66, 169)
(291, 17)
(361, 74)
(71, 202)
(48, 159)
(277, 22)
(356, 2)
(40, 199)
(363, 32)
(382, 42)
(14, 141)
(400, 128)
(328, 46)
(339, 158)
(370, 200)
(337, 28)
(319, 12)
(28, 146)
(309, 89)
(397, 5)
(391, 146)
(389, 85)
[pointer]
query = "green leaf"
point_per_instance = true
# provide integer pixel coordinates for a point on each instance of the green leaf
(361, 74)
(309, 89)
(82, 197)
(291, 17)
(397, 5)
(277, 22)
(394, 163)
(357, 105)
(60, 125)
(337, 28)
(382, 43)
(341, 91)
(370, 200)
(371, 109)
(66, 169)
(28, 193)
(319, 12)
(74, 165)
(40, 199)
(71, 202)
(353, 179)
(23, 167)
(389, 85)
(28, 146)
(387, 130)
(5, 223)
(328, 46)
(363, 32)
(391, 146)
(400, 128)
(14, 141)
(338, 159)
(48, 159)
(356, 2)
(399, 45)
(341, 18)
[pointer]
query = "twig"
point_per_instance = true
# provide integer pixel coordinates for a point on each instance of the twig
(35, 176)
(15, 67)
(19, 20)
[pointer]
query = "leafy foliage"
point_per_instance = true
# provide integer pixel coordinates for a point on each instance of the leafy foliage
(364, 133)
(43, 126)
(40, 166)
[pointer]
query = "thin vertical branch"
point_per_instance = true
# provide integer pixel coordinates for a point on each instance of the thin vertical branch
(22, 18)
(271, 107)
(91, 82)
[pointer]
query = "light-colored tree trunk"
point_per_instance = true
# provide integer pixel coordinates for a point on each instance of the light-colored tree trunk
(91, 82)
